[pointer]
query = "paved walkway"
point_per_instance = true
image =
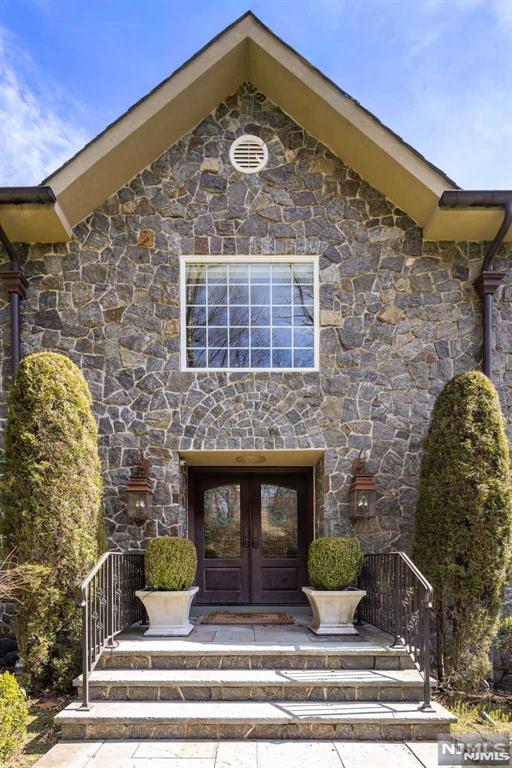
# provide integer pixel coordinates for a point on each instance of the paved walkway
(240, 754)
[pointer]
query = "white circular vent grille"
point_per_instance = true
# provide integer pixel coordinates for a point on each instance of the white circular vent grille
(248, 154)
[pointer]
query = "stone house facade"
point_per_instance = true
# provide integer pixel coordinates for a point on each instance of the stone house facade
(398, 315)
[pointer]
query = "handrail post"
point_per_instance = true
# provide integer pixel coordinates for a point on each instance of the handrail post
(426, 706)
(85, 649)
(110, 598)
(396, 600)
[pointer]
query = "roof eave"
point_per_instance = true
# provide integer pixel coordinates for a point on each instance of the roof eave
(33, 215)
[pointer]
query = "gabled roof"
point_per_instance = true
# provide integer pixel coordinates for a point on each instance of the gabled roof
(247, 51)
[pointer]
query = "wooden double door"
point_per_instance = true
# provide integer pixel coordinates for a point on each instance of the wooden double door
(252, 531)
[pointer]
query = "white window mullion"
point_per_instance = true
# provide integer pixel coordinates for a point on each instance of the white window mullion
(275, 269)
(271, 313)
(207, 318)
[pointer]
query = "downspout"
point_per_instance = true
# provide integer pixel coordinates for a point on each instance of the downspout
(488, 280)
(16, 285)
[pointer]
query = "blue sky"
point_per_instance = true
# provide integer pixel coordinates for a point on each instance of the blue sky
(438, 72)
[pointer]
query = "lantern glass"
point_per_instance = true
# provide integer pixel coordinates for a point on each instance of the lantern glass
(139, 505)
(362, 502)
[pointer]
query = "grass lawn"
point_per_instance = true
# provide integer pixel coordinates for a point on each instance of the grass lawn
(480, 713)
(42, 734)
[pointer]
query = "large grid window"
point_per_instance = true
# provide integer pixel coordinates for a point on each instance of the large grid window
(250, 315)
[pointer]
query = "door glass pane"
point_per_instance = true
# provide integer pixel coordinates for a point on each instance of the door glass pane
(279, 537)
(222, 522)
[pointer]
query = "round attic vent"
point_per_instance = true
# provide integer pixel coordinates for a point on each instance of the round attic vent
(248, 154)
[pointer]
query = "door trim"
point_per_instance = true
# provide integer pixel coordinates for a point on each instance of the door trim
(306, 472)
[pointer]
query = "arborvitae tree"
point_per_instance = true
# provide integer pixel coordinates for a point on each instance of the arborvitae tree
(463, 525)
(51, 502)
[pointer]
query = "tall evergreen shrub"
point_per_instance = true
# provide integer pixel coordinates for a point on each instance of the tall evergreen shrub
(463, 524)
(51, 501)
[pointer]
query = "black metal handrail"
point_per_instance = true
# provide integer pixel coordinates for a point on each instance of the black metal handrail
(399, 601)
(109, 605)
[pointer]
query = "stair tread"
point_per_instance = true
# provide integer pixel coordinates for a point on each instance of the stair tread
(254, 712)
(243, 677)
(242, 640)
(189, 647)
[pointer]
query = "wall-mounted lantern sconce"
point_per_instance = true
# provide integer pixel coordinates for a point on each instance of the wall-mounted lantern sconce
(363, 495)
(140, 493)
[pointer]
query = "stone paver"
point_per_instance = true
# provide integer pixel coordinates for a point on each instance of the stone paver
(233, 754)
(176, 749)
(70, 754)
(289, 754)
(375, 755)
(237, 754)
(241, 754)
(157, 762)
(258, 639)
(426, 752)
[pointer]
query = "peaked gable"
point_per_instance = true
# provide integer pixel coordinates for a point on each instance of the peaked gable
(249, 51)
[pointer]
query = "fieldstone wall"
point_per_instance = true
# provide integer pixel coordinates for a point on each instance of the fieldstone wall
(399, 317)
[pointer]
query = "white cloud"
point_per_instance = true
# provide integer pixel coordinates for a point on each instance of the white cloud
(500, 9)
(455, 111)
(40, 126)
(429, 38)
(470, 139)
(503, 12)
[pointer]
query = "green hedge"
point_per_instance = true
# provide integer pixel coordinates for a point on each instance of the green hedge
(13, 715)
(463, 524)
(51, 497)
(171, 563)
(334, 562)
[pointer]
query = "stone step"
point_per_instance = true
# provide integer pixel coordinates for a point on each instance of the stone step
(306, 653)
(281, 660)
(254, 720)
(254, 685)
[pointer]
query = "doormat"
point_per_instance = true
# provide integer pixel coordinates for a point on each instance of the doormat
(231, 617)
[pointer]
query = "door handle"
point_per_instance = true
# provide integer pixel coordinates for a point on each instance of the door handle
(255, 538)
(245, 537)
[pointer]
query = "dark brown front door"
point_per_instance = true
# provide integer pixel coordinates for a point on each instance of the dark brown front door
(251, 532)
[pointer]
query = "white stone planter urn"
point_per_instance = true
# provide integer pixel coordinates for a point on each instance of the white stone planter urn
(333, 611)
(168, 611)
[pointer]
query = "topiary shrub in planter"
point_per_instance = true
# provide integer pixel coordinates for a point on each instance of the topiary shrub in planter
(51, 497)
(170, 565)
(333, 564)
(463, 525)
(13, 716)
